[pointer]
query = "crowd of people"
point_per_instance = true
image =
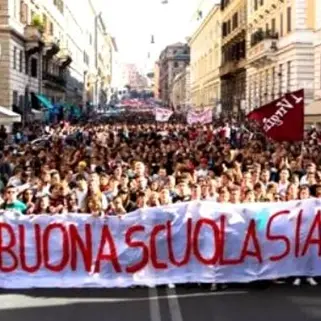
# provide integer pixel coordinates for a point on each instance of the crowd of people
(113, 169)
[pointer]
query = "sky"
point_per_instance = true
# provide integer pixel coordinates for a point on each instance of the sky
(133, 22)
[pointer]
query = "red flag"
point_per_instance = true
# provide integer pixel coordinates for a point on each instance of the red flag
(282, 119)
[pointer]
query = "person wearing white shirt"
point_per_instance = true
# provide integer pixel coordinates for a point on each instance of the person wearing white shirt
(81, 192)
(202, 170)
(311, 169)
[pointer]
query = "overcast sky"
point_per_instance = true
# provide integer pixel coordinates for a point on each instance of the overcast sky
(133, 22)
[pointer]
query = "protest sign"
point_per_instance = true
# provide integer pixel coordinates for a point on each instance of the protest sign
(187, 242)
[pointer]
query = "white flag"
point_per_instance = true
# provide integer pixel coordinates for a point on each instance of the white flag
(162, 114)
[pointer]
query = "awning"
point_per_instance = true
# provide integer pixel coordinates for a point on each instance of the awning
(8, 117)
(45, 101)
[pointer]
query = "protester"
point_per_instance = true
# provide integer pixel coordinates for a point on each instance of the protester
(113, 169)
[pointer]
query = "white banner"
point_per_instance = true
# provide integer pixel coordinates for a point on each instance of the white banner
(203, 117)
(162, 114)
(188, 242)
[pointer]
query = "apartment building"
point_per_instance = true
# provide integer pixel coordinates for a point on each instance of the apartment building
(280, 52)
(205, 44)
(313, 110)
(55, 57)
(75, 45)
(49, 54)
(21, 47)
(181, 90)
(91, 23)
(173, 59)
(233, 60)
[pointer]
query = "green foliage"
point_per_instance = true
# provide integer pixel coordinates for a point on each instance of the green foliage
(38, 22)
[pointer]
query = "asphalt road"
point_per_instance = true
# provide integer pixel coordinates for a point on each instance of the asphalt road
(162, 304)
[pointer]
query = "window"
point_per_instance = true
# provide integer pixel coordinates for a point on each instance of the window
(262, 2)
(21, 102)
(86, 58)
(51, 29)
(289, 19)
(280, 79)
(228, 26)
(260, 87)
(175, 64)
(288, 77)
(235, 21)
(255, 4)
(273, 83)
(34, 68)
(15, 98)
(273, 25)
(23, 12)
(266, 27)
(59, 4)
(27, 69)
(15, 58)
(45, 23)
(21, 61)
(224, 29)
(281, 25)
(266, 85)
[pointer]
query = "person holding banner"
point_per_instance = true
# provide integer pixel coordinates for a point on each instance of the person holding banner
(109, 175)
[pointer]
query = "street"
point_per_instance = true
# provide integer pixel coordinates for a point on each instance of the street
(161, 304)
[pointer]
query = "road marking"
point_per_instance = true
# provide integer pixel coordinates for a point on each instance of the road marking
(174, 308)
(154, 309)
(16, 301)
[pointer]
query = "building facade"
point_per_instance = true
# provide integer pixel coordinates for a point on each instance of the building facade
(233, 62)
(76, 46)
(56, 56)
(181, 90)
(205, 46)
(280, 55)
(313, 110)
(117, 80)
(173, 59)
(48, 50)
(21, 48)
(134, 78)
(156, 80)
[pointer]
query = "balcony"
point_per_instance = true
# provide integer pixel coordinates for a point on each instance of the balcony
(55, 79)
(33, 36)
(65, 58)
(227, 67)
(264, 46)
(52, 46)
(261, 35)
(231, 67)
